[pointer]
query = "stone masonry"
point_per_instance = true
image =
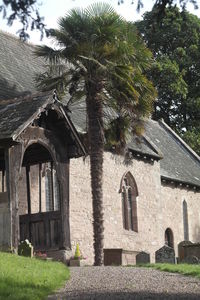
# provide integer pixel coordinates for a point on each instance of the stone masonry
(159, 206)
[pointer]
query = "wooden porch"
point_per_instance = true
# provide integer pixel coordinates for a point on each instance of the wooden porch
(37, 134)
(42, 229)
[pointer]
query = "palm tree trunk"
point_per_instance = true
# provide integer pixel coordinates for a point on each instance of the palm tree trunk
(96, 147)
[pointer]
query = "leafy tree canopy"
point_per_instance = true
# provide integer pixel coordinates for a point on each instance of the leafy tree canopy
(27, 13)
(108, 50)
(161, 5)
(176, 71)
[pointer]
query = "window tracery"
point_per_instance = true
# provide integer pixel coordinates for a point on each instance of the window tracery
(129, 202)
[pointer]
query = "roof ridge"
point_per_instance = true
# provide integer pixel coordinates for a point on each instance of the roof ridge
(15, 37)
(181, 141)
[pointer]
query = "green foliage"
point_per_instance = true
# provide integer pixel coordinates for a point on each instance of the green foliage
(185, 269)
(27, 13)
(161, 4)
(77, 252)
(175, 44)
(192, 137)
(96, 46)
(23, 278)
(99, 55)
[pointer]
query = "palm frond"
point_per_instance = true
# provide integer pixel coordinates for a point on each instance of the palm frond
(98, 9)
(94, 61)
(50, 54)
(99, 46)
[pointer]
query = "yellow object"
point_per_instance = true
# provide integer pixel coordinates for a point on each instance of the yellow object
(77, 252)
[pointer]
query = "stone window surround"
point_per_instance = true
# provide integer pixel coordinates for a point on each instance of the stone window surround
(129, 213)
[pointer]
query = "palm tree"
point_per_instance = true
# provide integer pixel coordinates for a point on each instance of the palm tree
(99, 55)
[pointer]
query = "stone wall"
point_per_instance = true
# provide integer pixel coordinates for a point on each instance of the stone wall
(171, 200)
(147, 176)
(81, 208)
(159, 207)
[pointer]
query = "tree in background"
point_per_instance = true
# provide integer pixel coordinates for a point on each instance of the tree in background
(27, 13)
(100, 57)
(176, 72)
(161, 5)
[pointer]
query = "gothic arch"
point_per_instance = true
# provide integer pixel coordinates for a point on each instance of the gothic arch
(129, 191)
(169, 238)
(131, 180)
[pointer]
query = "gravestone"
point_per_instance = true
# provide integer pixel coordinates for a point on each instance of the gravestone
(182, 250)
(165, 254)
(142, 258)
(193, 260)
(25, 249)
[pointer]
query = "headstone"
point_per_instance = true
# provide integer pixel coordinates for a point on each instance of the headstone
(182, 250)
(193, 260)
(25, 249)
(165, 254)
(142, 258)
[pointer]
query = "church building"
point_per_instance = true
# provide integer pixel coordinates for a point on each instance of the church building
(151, 200)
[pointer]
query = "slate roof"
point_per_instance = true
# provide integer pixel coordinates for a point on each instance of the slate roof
(18, 69)
(140, 145)
(179, 161)
(15, 113)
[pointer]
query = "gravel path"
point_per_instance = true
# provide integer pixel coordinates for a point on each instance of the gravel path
(127, 283)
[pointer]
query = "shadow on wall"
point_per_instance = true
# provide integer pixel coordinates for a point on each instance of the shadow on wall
(10, 91)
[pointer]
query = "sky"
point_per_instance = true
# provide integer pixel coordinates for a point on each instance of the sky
(51, 10)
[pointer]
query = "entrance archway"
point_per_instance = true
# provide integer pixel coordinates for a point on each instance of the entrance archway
(39, 199)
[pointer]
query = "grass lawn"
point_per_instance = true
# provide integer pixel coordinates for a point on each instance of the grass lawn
(23, 278)
(185, 269)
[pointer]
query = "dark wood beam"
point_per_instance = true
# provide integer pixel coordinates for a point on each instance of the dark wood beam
(3, 181)
(52, 187)
(13, 157)
(40, 187)
(63, 177)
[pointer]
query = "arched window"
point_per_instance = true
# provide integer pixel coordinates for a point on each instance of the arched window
(185, 221)
(48, 188)
(129, 203)
(51, 188)
(169, 239)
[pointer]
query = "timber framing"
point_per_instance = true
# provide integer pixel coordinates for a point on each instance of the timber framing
(37, 131)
